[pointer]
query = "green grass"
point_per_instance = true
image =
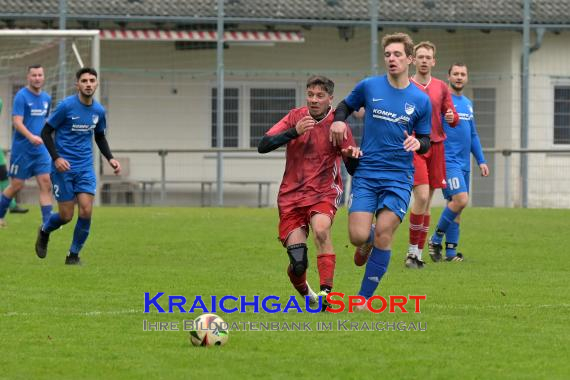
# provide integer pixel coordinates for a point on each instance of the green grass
(503, 313)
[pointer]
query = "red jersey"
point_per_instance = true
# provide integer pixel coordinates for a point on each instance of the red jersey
(312, 167)
(441, 101)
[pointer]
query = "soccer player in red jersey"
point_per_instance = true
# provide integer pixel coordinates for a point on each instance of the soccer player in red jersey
(430, 167)
(311, 186)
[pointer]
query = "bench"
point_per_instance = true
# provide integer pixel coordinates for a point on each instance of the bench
(207, 189)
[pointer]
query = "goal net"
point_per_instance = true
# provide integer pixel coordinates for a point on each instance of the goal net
(61, 53)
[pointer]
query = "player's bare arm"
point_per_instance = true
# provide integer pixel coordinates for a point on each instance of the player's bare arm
(18, 122)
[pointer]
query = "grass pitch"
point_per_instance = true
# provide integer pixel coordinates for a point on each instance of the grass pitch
(503, 313)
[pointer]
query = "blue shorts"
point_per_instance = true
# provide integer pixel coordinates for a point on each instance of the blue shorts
(372, 195)
(24, 165)
(68, 184)
(457, 182)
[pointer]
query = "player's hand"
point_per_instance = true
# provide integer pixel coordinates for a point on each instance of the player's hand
(338, 133)
(448, 116)
(484, 170)
(351, 151)
(115, 165)
(36, 140)
(62, 165)
(305, 124)
(411, 144)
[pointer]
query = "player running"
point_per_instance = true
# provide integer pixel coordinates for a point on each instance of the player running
(461, 141)
(430, 167)
(382, 184)
(75, 120)
(312, 187)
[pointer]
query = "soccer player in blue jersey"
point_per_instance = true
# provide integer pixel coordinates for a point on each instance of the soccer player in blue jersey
(395, 109)
(29, 157)
(74, 122)
(461, 141)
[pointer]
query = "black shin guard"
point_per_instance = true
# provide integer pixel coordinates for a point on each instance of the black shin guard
(298, 257)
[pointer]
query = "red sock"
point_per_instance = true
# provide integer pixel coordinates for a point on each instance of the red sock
(416, 222)
(424, 231)
(326, 263)
(299, 282)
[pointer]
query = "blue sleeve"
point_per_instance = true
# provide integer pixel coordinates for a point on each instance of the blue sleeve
(57, 117)
(356, 98)
(19, 106)
(476, 148)
(102, 123)
(423, 124)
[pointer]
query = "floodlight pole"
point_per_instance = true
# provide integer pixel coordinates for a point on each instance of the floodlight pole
(62, 69)
(525, 100)
(373, 5)
(220, 104)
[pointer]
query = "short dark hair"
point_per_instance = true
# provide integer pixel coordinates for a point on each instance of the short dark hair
(85, 70)
(35, 66)
(460, 64)
(321, 81)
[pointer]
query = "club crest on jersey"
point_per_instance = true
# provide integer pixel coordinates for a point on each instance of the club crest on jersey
(470, 109)
(409, 108)
(45, 105)
(95, 118)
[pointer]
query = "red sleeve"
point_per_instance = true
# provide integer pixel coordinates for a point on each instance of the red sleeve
(282, 125)
(447, 104)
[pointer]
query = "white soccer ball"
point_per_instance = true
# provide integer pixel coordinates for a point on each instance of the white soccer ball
(209, 330)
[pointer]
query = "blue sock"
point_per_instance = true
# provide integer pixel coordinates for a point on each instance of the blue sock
(452, 239)
(447, 217)
(53, 223)
(4, 204)
(80, 235)
(375, 268)
(46, 212)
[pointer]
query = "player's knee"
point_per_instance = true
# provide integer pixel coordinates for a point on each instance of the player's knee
(321, 235)
(383, 240)
(65, 216)
(16, 186)
(358, 236)
(459, 202)
(298, 258)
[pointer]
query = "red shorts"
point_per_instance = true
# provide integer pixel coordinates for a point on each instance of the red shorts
(430, 167)
(300, 217)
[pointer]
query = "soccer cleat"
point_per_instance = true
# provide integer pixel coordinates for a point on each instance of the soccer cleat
(457, 258)
(313, 298)
(435, 251)
(3, 223)
(71, 259)
(359, 308)
(323, 295)
(362, 253)
(42, 243)
(18, 210)
(413, 262)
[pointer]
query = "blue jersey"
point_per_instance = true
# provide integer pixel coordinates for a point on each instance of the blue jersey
(463, 139)
(34, 110)
(74, 124)
(388, 113)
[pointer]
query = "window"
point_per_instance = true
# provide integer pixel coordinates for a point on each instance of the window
(266, 107)
(231, 117)
(562, 115)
